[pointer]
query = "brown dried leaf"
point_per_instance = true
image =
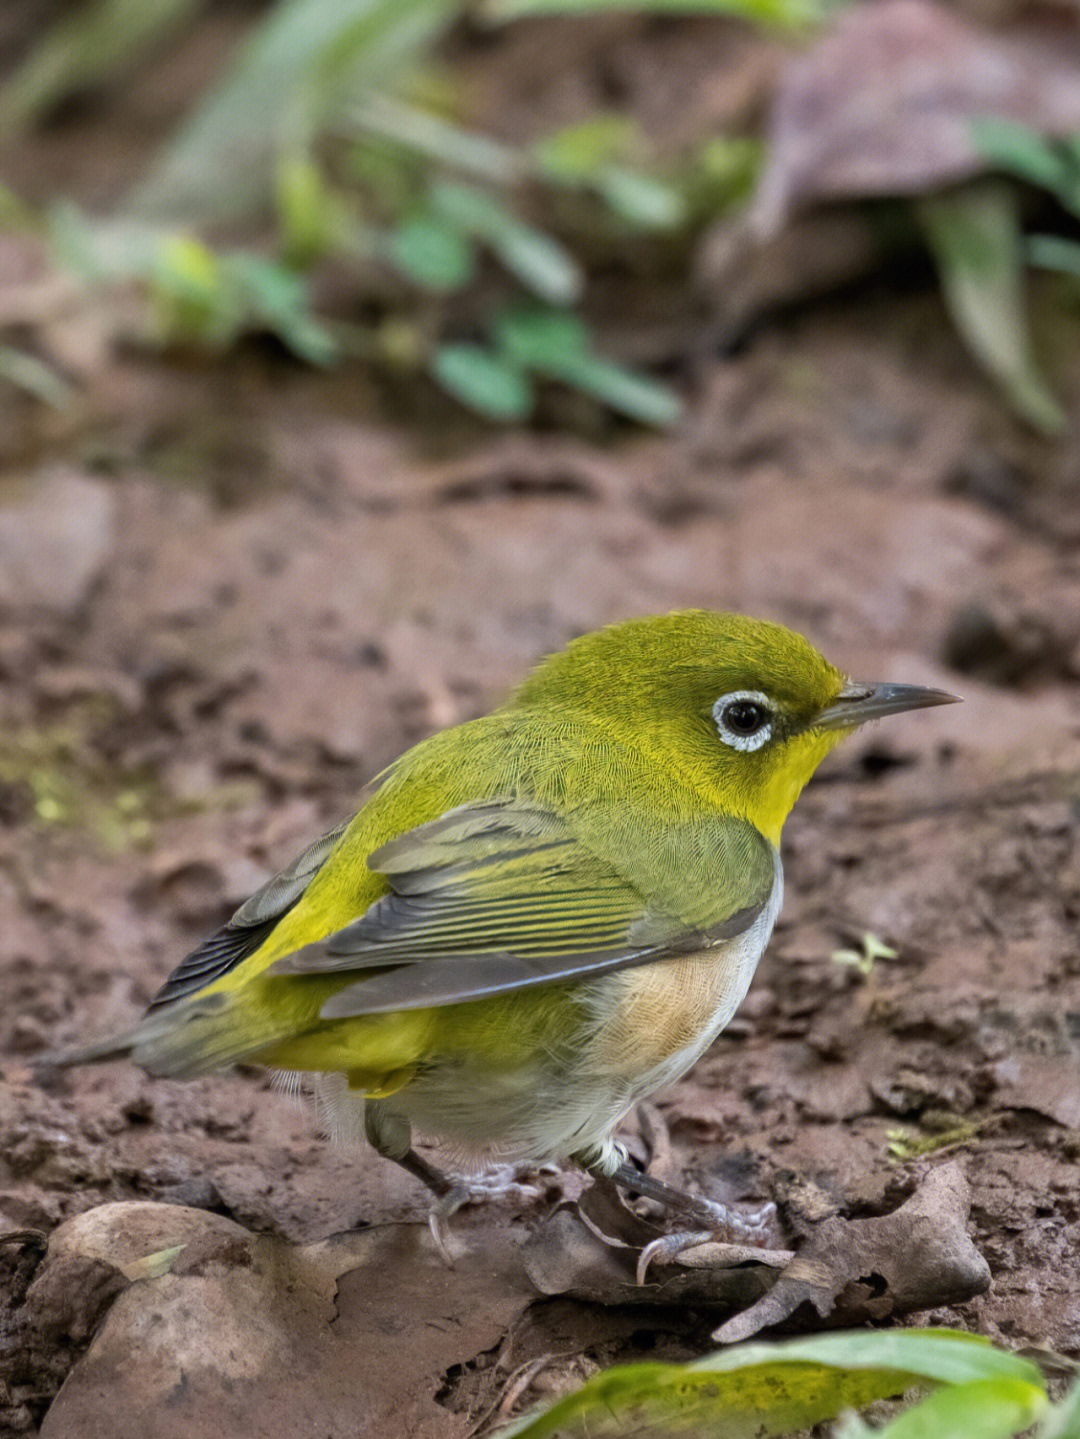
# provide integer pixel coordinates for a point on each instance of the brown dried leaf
(884, 104)
(918, 1257)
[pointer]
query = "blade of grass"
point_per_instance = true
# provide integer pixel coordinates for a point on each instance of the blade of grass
(302, 68)
(974, 233)
(793, 13)
(85, 49)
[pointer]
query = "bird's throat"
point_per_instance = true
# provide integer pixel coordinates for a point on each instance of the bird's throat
(772, 801)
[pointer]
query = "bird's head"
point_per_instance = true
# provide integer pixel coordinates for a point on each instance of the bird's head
(748, 708)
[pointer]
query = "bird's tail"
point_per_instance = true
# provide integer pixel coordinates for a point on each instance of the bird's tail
(184, 1039)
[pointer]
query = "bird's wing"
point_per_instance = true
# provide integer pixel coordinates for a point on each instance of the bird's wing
(502, 895)
(248, 928)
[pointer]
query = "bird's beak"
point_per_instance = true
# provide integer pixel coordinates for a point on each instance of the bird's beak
(856, 703)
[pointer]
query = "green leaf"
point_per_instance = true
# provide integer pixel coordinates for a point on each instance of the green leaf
(974, 232)
(575, 154)
(628, 393)
(305, 64)
(641, 199)
(538, 261)
(986, 1408)
(795, 13)
(1054, 252)
(488, 383)
(1013, 147)
(544, 340)
(764, 1389)
(268, 294)
(433, 253)
(555, 343)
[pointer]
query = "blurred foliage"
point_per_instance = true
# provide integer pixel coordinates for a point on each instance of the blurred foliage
(85, 49)
(316, 127)
(977, 1392)
(761, 12)
(976, 235)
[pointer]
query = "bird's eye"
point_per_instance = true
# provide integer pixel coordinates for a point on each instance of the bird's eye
(744, 719)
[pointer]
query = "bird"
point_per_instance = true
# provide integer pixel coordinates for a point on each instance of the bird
(538, 917)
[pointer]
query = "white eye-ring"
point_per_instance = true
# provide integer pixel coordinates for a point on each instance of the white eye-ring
(744, 719)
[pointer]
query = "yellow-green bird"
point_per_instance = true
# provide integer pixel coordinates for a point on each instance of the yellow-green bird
(538, 917)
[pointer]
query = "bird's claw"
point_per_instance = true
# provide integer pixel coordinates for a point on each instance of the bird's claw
(495, 1183)
(438, 1215)
(726, 1226)
(668, 1247)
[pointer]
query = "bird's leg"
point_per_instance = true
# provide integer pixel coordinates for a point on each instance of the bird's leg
(390, 1135)
(706, 1219)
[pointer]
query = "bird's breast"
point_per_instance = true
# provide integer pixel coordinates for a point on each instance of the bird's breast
(661, 1016)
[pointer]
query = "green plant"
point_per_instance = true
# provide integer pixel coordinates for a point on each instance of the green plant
(982, 253)
(977, 1391)
(316, 128)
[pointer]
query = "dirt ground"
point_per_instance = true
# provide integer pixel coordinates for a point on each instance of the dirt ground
(231, 591)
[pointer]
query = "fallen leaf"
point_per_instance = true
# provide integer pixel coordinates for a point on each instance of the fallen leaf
(918, 1257)
(886, 102)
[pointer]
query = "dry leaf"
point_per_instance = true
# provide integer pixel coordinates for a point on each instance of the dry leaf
(885, 104)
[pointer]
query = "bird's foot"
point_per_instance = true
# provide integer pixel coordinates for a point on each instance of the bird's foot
(704, 1220)
(453, 1191)
(742, 1227)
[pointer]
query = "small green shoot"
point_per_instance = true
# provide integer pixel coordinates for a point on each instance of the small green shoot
(870, 950)
(904, 1145)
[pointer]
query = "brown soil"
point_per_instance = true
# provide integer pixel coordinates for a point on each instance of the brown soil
(273, 590)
